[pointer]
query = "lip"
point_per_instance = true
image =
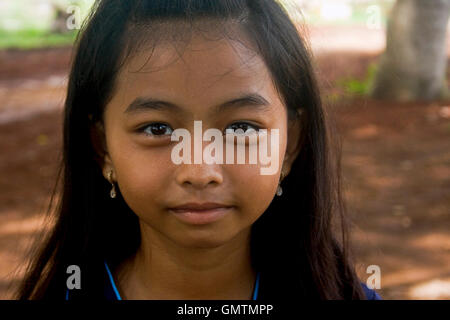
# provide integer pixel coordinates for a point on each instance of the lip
(200, 213)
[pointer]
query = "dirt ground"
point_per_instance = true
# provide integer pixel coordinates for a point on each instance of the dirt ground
(396, 168)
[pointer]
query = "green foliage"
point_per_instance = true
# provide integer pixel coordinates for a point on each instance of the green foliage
(33, 38)
(358, 87)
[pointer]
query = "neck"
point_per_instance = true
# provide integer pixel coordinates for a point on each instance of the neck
(161, 269)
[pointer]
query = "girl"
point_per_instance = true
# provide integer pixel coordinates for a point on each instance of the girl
(134, 224)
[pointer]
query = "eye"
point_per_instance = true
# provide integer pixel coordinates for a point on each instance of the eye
(246, 127)
(156, 129)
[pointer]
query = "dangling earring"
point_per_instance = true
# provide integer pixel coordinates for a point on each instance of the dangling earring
(279, 188)
(112, 193)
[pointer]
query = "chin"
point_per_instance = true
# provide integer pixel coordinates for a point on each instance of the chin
(203, 239)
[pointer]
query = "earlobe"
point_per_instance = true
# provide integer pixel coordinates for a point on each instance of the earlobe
(101, 155)
(293, 143)
(107, 168)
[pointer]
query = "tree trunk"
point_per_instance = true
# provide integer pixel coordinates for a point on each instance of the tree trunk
(413, 66)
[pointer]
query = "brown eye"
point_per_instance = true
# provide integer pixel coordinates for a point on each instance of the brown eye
(157, 129)
(244, 127)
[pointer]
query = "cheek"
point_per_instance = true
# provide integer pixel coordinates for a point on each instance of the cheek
(141, 175)
(255, 191)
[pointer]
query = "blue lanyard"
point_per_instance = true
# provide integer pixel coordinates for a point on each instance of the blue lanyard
(255, 290)
(113, 284)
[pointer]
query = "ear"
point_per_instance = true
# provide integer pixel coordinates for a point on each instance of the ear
(293, 142)
(97, 133)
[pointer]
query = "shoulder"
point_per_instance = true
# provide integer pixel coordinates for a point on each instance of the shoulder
(370, 293)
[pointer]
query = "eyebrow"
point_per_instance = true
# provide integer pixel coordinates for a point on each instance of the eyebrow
(253, 100)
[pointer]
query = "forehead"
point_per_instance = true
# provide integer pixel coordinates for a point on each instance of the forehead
(202, 69)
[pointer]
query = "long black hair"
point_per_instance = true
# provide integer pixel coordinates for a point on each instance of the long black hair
(299, 244)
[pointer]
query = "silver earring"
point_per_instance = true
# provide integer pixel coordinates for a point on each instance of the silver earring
(279, 188)
(112, 193)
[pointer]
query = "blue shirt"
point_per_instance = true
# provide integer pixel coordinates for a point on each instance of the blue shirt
(370, 293)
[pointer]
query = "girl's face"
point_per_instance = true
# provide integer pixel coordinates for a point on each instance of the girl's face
(139, 147)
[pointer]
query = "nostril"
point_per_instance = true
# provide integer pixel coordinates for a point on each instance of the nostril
(198, 176)
(200, 185)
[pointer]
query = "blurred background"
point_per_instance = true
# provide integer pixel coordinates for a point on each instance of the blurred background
(383, 69)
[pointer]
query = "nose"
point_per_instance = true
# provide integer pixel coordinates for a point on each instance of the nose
(199, 176)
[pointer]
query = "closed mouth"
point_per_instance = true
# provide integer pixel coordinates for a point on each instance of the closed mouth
(199, 207)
